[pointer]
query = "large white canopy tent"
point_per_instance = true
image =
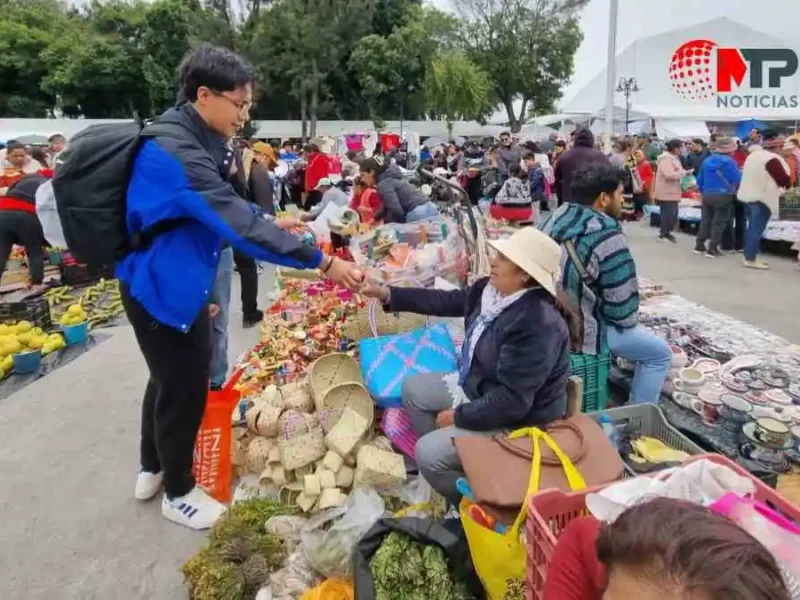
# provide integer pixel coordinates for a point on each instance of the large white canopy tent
(648, 60)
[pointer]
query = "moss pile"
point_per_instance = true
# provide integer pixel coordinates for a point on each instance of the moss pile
(240, 554)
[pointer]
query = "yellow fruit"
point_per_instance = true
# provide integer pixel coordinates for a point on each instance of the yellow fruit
(24, 326)
(76, 310)
(13, 347)
(55, 337)
(7, 363)
(5, 329)
(36, 331)
(37, 342)
(66, 319)
(24, 338)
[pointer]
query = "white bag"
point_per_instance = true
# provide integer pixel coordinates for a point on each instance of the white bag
(47, 212)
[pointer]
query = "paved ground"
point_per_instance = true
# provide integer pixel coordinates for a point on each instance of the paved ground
(69, 528)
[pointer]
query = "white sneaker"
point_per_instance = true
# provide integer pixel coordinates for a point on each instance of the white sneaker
(147, 485)
(195, 510)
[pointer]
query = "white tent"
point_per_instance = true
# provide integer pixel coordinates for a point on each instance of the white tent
(649, 61)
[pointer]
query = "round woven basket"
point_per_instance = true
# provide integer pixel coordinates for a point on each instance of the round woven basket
(329, 370)
(350, 394)
(302, 450)
(358, 326)
(257, 454)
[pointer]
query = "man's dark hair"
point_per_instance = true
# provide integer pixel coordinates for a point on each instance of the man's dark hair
(214, 67)
(351, 155)
(673, 144)
(54, 136)
(39, 155)
(592, 179)
(15, 145)
(287, 143)
(505, 134)
(561, 144)
(528, 156)
(698, 141)
(769, 134)
(757, 130)
(532, 147)
(515, 170)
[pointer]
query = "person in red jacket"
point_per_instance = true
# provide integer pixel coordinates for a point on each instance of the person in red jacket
(662, 549)
(365, 202)
(319, 166)
(646, 176)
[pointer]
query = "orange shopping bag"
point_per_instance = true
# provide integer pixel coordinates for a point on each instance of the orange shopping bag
(212, 448)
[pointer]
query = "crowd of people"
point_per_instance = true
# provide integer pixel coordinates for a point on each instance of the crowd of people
(564, 282)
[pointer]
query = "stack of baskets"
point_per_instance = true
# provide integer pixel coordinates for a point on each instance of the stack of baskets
(373, 321)
(303, 439)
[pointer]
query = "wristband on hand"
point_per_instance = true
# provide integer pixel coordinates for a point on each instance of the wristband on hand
(329, 265)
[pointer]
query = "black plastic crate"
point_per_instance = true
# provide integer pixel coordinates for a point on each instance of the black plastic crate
(34, 309)
(789, 205)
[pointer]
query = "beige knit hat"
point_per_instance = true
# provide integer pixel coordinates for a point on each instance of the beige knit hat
(535, 253)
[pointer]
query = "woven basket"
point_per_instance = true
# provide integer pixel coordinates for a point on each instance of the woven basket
(296, 396)
(291, 424)
(370, 322)
(302, 450)
(347, 432)
(267, 420)
(257, 454)
(350, 394)
(328, 370)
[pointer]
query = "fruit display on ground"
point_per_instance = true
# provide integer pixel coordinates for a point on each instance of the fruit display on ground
(100, 303)
(23, 337)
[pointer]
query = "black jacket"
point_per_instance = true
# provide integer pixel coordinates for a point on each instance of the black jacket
(694, 160)
(518, 375)
(583, 152)
(397, 195)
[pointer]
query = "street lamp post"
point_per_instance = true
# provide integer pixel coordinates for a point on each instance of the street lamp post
(628, 87)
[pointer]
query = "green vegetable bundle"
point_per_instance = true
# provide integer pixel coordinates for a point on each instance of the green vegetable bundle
(403, 569)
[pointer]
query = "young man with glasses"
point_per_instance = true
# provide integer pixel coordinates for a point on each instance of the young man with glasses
(179, 192)
(509, 153)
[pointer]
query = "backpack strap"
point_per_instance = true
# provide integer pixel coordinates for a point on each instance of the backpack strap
(586, 278)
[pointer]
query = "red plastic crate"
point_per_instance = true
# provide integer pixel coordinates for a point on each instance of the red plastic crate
(550, 511)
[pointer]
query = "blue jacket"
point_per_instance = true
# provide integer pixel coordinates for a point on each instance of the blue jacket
(719, 175)
(184, 177)
(518, 375)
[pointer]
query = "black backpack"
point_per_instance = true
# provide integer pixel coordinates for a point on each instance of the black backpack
(91, 185)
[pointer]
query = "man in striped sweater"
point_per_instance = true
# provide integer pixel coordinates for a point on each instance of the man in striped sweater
(599, 273)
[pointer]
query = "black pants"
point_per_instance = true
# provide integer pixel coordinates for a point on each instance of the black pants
(640, 200)
(474, 190)
(733, 236)
(23, 228)
(669, 214)
(176, 393)
(312, 199)
(717, 210)
(248, 273)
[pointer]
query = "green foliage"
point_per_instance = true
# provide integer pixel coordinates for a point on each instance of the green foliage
(526, 46)
(315, 59)
(456, 88)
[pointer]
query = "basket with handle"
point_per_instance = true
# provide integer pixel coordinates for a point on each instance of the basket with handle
(336, 398)
(328, 370)
(371, 322)
(550, 511)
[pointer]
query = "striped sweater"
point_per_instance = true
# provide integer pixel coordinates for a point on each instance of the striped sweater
(613, 296)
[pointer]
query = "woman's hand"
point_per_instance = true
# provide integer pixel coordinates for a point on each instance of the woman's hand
(286, 223)
(446, 418)
(213, 310)
(374, 290)
(344, 273)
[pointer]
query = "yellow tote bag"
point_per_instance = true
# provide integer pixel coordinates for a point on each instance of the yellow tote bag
(499, 559)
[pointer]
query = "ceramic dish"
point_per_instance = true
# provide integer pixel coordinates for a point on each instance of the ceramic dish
(778, 397)
(691, 377)
(771, 432)
(756, 384)
(796, 436)
(749, 431)
(776, 382)
(735, 386)
(679, 358)
(744, 376)
(735, 409)
(757, 398)
(794, 413)
(706, 365)
(794, 392)
(762, 454)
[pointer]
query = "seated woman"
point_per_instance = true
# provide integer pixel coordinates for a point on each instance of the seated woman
(513, 201)
(515, 357)
(365, 202)
(663, 549)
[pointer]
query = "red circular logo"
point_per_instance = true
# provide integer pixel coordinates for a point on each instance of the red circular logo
(690, 70)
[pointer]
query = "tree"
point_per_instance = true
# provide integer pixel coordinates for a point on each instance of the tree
(457, 89)
(526, 46)
(390, 70)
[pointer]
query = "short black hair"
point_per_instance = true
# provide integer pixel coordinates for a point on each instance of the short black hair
(214, 67)
(505, 133)
(769, 134)
(15, 145)
(561, 144)
(351, 155)
(673, 144)
(54, 136)
(592, 179)
(532, 147)
(698, 141)
(515, 170)
(528, 156)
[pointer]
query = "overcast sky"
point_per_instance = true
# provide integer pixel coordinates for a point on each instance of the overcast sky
(644, 18)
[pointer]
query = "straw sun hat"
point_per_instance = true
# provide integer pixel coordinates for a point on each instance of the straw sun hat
(535, 253)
